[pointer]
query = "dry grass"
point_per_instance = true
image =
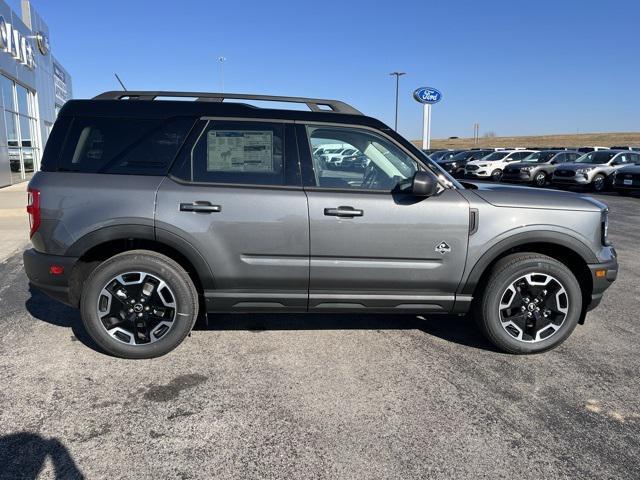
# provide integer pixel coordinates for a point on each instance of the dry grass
(575, 140)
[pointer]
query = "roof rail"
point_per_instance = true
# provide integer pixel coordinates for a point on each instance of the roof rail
(314, 104)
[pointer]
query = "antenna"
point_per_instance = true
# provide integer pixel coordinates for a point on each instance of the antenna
(120, 82)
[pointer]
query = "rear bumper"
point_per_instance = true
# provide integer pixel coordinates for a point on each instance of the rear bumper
(37, 267)
(601, 283)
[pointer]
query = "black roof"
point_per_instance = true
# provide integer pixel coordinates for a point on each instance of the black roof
(145, 105)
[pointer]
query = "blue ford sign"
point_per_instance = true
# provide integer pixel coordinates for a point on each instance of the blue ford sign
(427, 95)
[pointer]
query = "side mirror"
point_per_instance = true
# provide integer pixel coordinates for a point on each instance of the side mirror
(424, 184)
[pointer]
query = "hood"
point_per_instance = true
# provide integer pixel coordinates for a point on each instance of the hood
(524, 164)
(478, 162)
(525, 197)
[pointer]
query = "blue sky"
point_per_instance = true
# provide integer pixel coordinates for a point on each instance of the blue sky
(516, 67)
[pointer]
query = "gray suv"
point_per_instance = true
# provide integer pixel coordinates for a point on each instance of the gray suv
(594, 169)
(149, 211)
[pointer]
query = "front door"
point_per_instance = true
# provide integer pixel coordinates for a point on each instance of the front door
(240, 204)
(373, 244)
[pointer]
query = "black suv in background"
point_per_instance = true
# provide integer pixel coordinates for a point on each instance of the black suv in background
(454, 164)
(627, 180)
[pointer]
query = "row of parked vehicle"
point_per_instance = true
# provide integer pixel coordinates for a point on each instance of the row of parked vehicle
(596, 168)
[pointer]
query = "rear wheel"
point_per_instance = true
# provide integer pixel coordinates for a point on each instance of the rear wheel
(540, 180)
(496, 175)
(599, 183)
(139, 304)
(531, 304)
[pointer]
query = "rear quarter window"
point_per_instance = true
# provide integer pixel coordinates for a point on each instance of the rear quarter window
(124, 146)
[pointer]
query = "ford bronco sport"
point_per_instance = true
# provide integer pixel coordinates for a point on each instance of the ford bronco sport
(148, 211)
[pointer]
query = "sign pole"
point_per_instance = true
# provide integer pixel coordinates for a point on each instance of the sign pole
(427, 96)
(426, 126)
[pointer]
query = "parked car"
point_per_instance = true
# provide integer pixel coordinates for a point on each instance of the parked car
(593, 169)
(626, 180)
(456, 163)
(626, 148)
(537, 168)
(492, 166)
(437, 156)
(591, 149)
(222, 206)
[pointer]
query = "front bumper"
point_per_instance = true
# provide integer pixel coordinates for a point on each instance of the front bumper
(602, 281)
(577, 180)
(37, 266)
(516, 177)
(476, 174)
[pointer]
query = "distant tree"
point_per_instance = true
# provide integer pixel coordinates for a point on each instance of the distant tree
(490, 135)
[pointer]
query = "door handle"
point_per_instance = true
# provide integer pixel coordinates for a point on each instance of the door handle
(345, 212)
(200, 207)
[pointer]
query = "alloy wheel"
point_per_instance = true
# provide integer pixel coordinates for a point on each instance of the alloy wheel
(137, 308)
(540, 179)
(533, 307)
(598, 183)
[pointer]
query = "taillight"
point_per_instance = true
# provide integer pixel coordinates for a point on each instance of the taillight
(33, 209)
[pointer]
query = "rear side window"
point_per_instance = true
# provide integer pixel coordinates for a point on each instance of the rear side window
(248, 153)
(123, 146)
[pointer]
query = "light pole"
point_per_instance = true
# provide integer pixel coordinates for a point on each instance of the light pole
(221, 61)
(397, 75)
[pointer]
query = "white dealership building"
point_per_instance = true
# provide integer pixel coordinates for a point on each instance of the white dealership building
(34, 86)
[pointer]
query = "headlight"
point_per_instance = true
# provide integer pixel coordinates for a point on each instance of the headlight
(526, 169)
(584, 171)
(453, 165)
(483, 165)
(604, 226)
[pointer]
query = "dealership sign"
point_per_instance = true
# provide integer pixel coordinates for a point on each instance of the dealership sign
(16, 44)
(427, 95)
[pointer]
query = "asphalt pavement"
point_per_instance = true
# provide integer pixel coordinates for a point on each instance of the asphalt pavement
(320, 396)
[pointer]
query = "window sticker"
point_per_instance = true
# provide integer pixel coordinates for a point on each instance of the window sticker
(239, 151)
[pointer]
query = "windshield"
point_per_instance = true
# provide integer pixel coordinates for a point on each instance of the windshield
(495, 156)
(439, 154)
(540, 157)
(595, 158)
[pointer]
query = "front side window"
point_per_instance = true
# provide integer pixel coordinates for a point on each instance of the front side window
(381, 165)
(240, 153)
(595, 158)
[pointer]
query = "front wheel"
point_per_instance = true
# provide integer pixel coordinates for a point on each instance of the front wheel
(540, 180)
(599, 182)
(496, 175)
(531, 304)
(139, 304)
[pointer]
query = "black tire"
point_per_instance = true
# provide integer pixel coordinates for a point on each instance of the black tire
(504, 273)
(599, 183)
(496, 175)
(540, 180)
(158, 265)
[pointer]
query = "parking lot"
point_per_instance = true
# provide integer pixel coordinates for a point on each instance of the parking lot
(324, 396)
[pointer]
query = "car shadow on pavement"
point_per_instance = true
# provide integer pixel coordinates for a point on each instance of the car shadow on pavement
(23, 455)
(452, 328)
(43, 308)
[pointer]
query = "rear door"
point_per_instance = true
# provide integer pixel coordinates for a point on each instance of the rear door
(235, 196)
(373, 245)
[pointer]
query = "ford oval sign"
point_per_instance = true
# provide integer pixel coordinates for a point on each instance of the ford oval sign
(427, 95)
